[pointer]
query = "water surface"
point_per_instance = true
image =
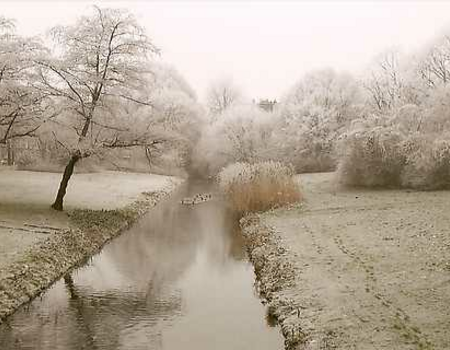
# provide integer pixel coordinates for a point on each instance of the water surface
(179, 279)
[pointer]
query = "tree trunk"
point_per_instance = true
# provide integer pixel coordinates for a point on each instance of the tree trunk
(68, 171)
(10, 152)
(148, 155)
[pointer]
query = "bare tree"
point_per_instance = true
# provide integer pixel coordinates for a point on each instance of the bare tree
(435, 68)
(97, 66)
(221, 95)
(385, 83)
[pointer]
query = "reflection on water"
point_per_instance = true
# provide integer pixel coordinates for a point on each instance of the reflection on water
(179, 279)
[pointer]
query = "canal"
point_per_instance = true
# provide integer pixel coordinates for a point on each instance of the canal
(178, 279)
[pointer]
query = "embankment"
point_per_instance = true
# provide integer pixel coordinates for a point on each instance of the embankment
(275, 273)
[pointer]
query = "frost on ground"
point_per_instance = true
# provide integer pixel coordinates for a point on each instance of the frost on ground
(25, 213)
(356, 269)
(39, 244)
(105, 190)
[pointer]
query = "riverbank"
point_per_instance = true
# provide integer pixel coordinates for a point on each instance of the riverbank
(40, 245)
(356, 269)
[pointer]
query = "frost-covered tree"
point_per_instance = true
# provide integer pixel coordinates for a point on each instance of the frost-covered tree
(302, 131)
(22, 107)
(175, 112)
(405, 142)
(434, 67)
(393, 80)
(221, 95)
(384, 82)
(97, 65)
(241, 134)
(314, 112)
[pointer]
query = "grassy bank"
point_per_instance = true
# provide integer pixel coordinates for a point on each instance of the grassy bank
(275, 274)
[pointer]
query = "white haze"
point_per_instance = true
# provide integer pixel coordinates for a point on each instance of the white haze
(264, 46)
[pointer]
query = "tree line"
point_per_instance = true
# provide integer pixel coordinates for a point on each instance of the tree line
(96, 89)
(387, 127)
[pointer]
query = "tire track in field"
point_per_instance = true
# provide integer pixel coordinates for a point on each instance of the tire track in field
(400, 320)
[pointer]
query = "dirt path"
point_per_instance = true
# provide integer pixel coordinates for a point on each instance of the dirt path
(371, 268)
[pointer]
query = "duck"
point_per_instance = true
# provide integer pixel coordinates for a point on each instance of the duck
(187, 201)
(197, 199)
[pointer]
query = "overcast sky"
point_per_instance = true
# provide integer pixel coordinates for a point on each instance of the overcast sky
(264, 46)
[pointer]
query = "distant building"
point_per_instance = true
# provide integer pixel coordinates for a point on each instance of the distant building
(267, 105)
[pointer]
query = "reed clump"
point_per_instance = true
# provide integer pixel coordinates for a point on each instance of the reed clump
(259, 186)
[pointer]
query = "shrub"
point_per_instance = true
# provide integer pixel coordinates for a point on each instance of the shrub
(427, 162)
(371, 157)
(387, 155)
(259, 186)
(317, 156)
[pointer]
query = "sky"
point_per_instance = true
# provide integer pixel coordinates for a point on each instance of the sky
(264, 47)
